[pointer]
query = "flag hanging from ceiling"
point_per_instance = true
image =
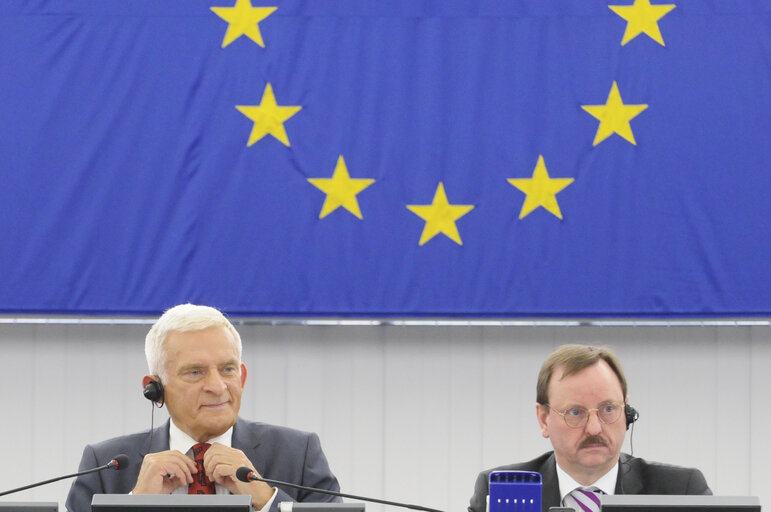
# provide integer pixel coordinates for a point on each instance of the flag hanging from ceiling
(368, 158)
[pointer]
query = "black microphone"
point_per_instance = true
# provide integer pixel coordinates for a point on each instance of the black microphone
(119, 462)
(247, 475)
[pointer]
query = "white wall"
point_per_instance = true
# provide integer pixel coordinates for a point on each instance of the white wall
(404, 413)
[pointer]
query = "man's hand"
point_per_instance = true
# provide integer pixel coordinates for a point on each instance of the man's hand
(221, 464)
(163, 472)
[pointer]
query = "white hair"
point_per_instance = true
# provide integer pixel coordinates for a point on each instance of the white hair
(182, 318)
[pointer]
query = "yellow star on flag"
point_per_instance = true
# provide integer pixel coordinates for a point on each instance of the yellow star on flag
(540, 190)
(243, 20)
(642, 17)
(440, 216)
(268, 117)
(341, 190)
(614, 116)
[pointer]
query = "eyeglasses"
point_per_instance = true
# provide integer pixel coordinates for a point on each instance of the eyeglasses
(577, 417)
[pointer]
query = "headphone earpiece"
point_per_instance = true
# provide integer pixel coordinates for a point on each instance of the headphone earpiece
(154, 391)
(630, 414)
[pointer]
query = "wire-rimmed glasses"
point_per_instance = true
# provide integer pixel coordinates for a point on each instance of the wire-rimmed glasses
(577, 417)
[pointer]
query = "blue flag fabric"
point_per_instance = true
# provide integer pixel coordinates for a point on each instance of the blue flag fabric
(402, 157)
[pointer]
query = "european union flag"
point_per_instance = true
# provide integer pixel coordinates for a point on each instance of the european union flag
(401, 157)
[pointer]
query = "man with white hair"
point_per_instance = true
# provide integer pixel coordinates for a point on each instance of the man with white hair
(194, 358)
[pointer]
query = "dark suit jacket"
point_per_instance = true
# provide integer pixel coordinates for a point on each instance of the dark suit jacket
(635, 476)
(278, 453)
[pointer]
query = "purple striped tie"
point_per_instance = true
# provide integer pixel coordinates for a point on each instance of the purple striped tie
(585, 499)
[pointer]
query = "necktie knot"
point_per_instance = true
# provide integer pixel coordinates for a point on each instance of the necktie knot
(584, 499)
(199, 450)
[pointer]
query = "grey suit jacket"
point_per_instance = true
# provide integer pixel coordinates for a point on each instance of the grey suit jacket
(278, 453)
(635, 476)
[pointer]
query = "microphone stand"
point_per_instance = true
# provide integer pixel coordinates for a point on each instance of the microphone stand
(120, 462)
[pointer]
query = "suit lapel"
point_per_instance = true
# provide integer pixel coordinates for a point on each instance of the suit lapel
(159, 441)
(629, 480)
(551, 486)
(247, 439)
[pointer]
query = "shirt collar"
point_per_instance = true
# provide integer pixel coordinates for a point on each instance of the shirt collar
(606, 483)
(182, 442)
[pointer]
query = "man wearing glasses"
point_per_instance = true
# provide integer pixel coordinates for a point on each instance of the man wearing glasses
(581, 404)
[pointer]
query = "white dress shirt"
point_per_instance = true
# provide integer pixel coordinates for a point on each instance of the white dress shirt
(606, 483)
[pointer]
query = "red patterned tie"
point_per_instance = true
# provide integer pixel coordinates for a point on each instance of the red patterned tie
(201, 483)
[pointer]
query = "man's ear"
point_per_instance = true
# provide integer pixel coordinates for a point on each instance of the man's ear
(243, 375)
(153, 389)
(542, 413)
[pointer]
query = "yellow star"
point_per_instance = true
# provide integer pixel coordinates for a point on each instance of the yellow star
(243, 20)
(614, 116)
(341, 190)
(440, 216)
(642, 17)
(540, 190)
(268, 117)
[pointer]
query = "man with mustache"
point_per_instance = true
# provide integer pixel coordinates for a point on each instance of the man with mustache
(194, 357)
(581, 405)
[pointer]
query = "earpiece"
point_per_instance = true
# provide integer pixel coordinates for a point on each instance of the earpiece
(630, 414)
(154, 391)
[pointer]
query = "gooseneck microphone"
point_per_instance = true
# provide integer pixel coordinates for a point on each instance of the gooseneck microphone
(247, 475)
(119, 462)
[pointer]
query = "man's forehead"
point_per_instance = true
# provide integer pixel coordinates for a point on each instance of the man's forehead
(596, 377)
